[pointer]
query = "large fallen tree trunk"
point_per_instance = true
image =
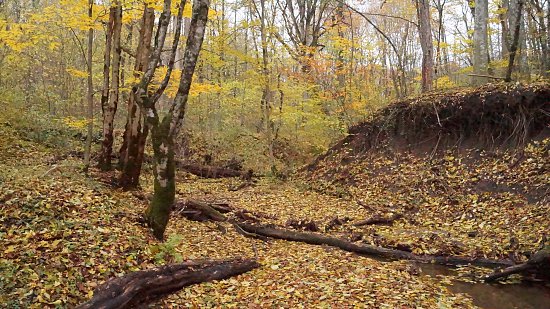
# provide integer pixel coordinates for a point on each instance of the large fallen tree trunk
(207, 171)
(540, 260)
(319, 239)
(146, 286)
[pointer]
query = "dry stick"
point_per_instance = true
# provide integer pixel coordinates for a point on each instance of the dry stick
(207, 171)
(379, 220)
(507, 272)
(488, 76)
(436, 146)
(55, 167)
(215, 215)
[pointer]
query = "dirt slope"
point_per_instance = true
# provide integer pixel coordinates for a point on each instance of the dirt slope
(468, 170)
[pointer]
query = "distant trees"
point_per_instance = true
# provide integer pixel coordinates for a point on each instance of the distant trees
(304, 21)
(278, 79)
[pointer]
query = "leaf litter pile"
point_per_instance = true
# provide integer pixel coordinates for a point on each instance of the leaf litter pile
(63, 233)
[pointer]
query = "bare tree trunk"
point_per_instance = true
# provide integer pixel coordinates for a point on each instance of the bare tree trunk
(543, 37)
(505, 36)
(130, 169)
(426, 43)
(340, 71)
(480, 42)
(514, 17)
(267, 98)
(110, 101)
(107, 60)
(515, 43)
(164, 132)
(90, 92)
(440, 38)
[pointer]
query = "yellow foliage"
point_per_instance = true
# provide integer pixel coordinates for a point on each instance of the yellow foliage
(74, 123)
(77, 73)
(444, 82)
(199, 88)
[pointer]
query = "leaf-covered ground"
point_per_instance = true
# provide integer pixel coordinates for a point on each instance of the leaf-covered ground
(478, 203)
(63, 233)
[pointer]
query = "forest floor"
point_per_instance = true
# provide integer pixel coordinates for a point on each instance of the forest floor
(63, 232)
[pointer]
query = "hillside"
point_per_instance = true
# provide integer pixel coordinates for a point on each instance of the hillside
(466, 172)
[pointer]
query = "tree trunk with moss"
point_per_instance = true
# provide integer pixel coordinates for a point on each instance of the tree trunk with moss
(164, 132)
(164, 177)
(143, 101)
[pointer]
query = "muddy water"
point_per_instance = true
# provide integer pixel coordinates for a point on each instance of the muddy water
(497, 296)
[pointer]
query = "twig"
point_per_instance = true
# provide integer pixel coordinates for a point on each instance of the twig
(55, 167)
(488, 76)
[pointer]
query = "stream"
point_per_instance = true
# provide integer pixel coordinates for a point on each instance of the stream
(496, 296)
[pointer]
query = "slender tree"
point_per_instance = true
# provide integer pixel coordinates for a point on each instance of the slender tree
(515, 41)
(110, 95)
(481, 15)
(426, 43)
(165, 130)
(136, 131)
(90, 91)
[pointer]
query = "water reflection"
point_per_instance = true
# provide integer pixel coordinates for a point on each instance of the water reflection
(497, 296)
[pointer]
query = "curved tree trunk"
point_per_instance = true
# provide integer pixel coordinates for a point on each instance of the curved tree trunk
(164, 132)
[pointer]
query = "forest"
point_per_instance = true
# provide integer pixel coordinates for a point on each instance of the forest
(275, 154)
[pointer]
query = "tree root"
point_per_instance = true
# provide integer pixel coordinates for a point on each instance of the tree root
(539, 260)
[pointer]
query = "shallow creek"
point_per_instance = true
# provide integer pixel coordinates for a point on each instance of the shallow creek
(496, 296)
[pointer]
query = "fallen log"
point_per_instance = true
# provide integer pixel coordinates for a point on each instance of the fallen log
(200, 211)
(207, 171)
(539, 260)
(377, 219)
(393, 254)
(364, 249)
(143, 287)
(243, 185)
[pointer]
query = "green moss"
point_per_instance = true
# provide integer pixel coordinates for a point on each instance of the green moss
(158, 212)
